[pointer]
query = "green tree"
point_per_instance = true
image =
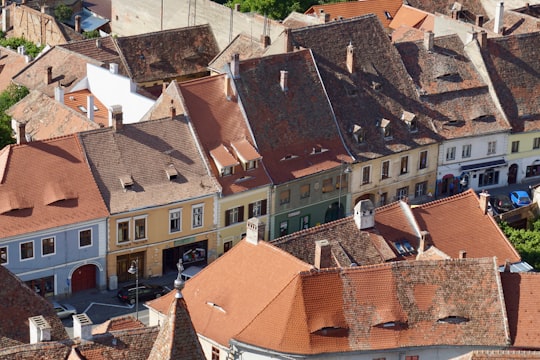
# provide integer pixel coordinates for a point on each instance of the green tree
(62, 12)
(91, 34)
(526, 242)
(13, 43)
(9, 97)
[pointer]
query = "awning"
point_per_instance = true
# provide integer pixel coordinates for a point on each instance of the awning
(483, 165)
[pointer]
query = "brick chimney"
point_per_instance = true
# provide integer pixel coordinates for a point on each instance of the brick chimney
(482, 39)
(78, 23)
(48, 75)
(350, 58)
(479, 20)
(283, 79)
(499, 14)
(82, 327)
(40, 329)
(265, 41)
(227, 87)
(172, 111)
(484, 200)
(164, 86)
(90, 107)
(429, 36)
(323, 254)
(288, 40)
(422, 243)
(116, 118)
(235, 66)
(21, 133)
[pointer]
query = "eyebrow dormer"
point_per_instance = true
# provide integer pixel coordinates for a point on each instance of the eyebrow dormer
(247, 154)
(224, 160)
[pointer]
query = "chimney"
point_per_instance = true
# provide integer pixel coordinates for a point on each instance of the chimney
(422, 244)
(164, 86)
(499, 12)
(288, 40)
(323, 254)
(507, 266)
(253, 231)
(484, 200)
(90, 107)
(428, 40)
(113, 68)
(479, 20)
(323, 17)
(78, 23)
(82, 327)
(98, 43)
(21, 133)
(48, 75)
(40, 330)
(462, 254)
(283, 78)
(235, 66)
(116, 117)
(364, 214)
(265, 41)
(236, 7)
(482, 39)
(227, 87)
(4, 3)
(172, 110)
(59, 93)
(350, 58)
(44, 9)
(23, 2)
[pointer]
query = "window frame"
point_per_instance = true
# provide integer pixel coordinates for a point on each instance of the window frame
(536, 143)
(302, 222)
(385, 166)
(404, 160)
(327, 185)
(135, 220)
(451, 153)
(420, 189)
(53, 238)
(234, 215)
(515, 146)
(126, 221)
(21, 252)
(399, 191)
(284, 224)
(466, 151)
(6, 252)
(91, 240)
(285, 197)
(492, 147)
(303, 193)
(259, 204)
(423, 160)
(366, 174)
(200, 223)
(178, 220)
(227, 245)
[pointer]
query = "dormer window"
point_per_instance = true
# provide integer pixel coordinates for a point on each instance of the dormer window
(247, 154)
(171, 172)
(410, 120)
(224, 160)
(386, 128)
(288, 157)
(404, 247)
(227, 170)
(358, 133)
(251, 164)
(127, 182)
(318, 150)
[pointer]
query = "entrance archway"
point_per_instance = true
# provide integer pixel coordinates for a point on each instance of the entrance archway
(84, 278)
(512, 174)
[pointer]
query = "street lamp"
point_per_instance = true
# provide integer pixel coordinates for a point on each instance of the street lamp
(341, 172)
(134, 269)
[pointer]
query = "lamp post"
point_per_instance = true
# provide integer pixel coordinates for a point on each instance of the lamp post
(341, 172)
(134, 269)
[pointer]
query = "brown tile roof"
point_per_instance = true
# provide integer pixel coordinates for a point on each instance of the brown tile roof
(407, 15)
(49, 185)
(228, 294)
(514, 67)
(168, 102)
(10, 64)
(379, 87)
(414, 301)
(168, 54)
(46, 118)
(99, 7)
(296, 20)
(290, 126)
(42, 351)
(103, 49)
(523, 308)
(515, 23)
(219, 124)
(445, 6)
(407, 33)
(119, 323)
(351, 9)
(79, 98)
(499, 355)
(244, 45)
(19, 302)
(143, 151)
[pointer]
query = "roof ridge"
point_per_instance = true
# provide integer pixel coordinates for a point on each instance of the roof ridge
(166, 31)
(313, 229)
(447, 199)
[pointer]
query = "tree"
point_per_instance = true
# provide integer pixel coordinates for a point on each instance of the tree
(274, 9)
(10, 96)
(526, 242)
(62, 12)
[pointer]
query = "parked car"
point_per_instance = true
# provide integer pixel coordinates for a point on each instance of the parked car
(64, 311)
(501, 203)
(128, 293)
(520, 198)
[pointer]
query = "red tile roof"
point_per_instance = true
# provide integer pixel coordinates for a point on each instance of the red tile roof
(407, 15)
(10, 64)
(103, 49)
(119, 323)
(244, 45)
(499, 355)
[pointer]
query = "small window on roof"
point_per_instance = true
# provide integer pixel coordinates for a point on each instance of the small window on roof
(288, 157)
(388, 15)
(332, 331)
(453, 320)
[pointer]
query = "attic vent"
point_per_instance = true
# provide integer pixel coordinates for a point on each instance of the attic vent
(392, 325)
(358, 133)
(452, 77)
(388, 16)
(216, 306)
(377, 86)
(171, 172)
(453, 320)
(288, 157)
(127, 182)
(484, 118)
(332, 331)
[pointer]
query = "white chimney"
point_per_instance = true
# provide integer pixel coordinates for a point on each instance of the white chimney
(499, 12)
(364, 214)
(90, 107)
(113, 68)
(98, 43)
(323, 254)
(59, 94)
(40, 330)
(283, 79)
(484, 200)
(429, 36)
(252, 230)
(82, 327)
(350, 58)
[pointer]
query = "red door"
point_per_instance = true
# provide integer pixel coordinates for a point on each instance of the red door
(83, 278)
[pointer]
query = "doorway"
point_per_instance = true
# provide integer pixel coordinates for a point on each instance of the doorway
(512, 174)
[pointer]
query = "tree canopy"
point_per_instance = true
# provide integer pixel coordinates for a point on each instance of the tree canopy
(275, 9)
(9, 97)
(526, 242)
(62, 12)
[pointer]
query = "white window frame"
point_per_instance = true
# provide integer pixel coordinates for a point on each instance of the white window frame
(54, 245)
(451, 153)
(179, 212)
(7, 254)
(492, 147)
(91, 238)
(466, 151)
(128, 220)
(368, 170)
(257, 208)
(141, 217)
(33, 250)
(200, 223)
(234, 215)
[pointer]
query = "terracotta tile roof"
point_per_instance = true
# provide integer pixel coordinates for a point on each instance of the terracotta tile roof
(379, 87)
(515, 23)
(142, 151)
(416, 18)
(68, 68)
(499, 355)
(103, 49)
(294, 130)
(452, 88)
(10, 64)
(168, 104)
(445, 6)
(523, 308)
(244, 45)
(19, 302)
(31, 171)
(42, 351)
(406, 33)
(514, 67)
(228, 294)
(99, 7)
(169, 53)
(46, 118)
(421, 303)
(119, 323)
(384, 9)
(356, 246)
(79, 98)
(208, 108)
(296, 20)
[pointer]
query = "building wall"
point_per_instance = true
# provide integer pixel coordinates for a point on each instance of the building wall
(35, 26)
(527, 159)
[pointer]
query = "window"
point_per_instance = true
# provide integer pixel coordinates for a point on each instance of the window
(327, 185)
(366, 175)
(47, 246)
(423, 160)
(283, 228)
(123, 231)
(215, 353)
(536, 143)
(341, 181)
(284, 197)
(402, 193)
(304, 191)
(304, 222)
(140, 228)
(227, 246)
(385, 170)
(466, 151)
(532, 170)
(451, 153)
(197, 216)
(515, 146)
(420, 189)
(85, 238)
(27, 250)
(404, 165)
(175, 220)
(258, 208)
(413, 357)
(383, 198)
(490, 177)
(3, 255)
(492, 147)
(234, 215)
(251, 164)
(227, 170)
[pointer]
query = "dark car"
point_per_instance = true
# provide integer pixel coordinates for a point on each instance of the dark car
(520, 198)
(128, 293)
(501, 203)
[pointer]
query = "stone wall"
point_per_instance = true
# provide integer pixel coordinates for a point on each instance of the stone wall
(35, 26)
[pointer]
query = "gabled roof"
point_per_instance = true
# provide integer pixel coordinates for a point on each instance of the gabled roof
(378, 87)
(99, 7)
(141, 153)
(118, 323)
(169, 53)
(515, 23)
(296, 20)
(11, 63)
(244, 45)
(384, 9)
(52, 184)
(409, 16)
(220, 124)
(291, 126)
(46, 118)
(445, 6)
(102, 49)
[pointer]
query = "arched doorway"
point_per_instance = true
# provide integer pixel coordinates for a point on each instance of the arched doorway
(84, 278)
(512, 174)
(447, 184)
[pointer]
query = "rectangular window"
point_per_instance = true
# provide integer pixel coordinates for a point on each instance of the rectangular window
(85, 238)
(536, 143)
(140, 228)
(304, 222)
(27, 250)
(215, 353)
(123, 231)
(532, 170)
(47, 246)
(423, 160)
(304, 191)
(490, 177)
(234, 215)
(366, 175)
(451, 153)
(3, 255)
(492, 147)
(284, 197)
(404, 165)
(383, 199)
(385, 170)
(175, 220)
(466, 151)
(515, 146)
(283, 228)
(342, 181)
(327, 185)
(251, 164)
(258, 208)
(402, 193)
(227, 246)
(197, 216)
(420, 189)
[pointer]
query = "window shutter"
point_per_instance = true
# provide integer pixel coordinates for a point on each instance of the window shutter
(263, 207)
(240, 214)
(227, 217)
